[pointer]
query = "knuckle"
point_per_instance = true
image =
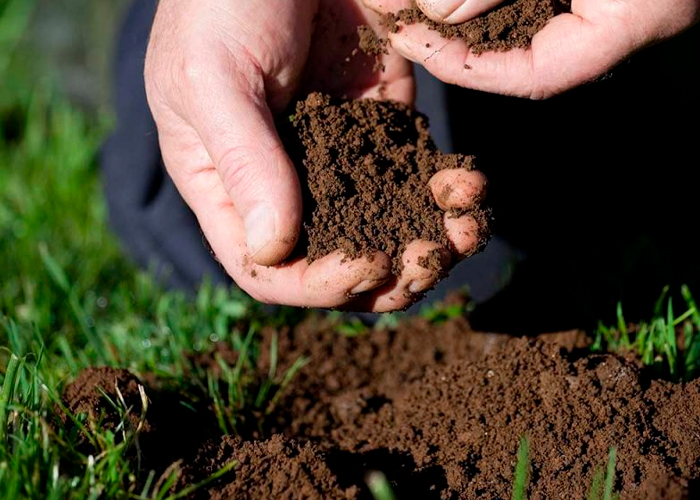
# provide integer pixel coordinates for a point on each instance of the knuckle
(238, 169)
(191, 71)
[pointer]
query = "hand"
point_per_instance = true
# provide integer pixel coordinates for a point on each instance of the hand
(216, 71)
(570, 50)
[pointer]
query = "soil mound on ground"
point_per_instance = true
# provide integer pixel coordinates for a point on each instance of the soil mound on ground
(365, 167)
(440, 410)
(96, 394)
(510, 25)
(276, 468)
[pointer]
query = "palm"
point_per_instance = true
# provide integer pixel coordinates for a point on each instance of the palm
(336, 66)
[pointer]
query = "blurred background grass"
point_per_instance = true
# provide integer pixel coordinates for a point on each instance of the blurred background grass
(70, 43)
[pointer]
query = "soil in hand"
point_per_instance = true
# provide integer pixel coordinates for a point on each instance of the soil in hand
(364, 166)
(510, 25)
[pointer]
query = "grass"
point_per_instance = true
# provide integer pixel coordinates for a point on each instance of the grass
(522, 467)
(669, 343)
(379, 486)
(602, 484)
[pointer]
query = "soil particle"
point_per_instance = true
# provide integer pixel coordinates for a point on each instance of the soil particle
(370, 43)
(275, 468)
(510, 25)
(367, 164)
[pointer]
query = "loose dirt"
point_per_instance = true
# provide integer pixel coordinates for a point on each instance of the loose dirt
(510, 25)
(440, 410)
(364, 166)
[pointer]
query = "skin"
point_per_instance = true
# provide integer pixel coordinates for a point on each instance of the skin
(216, 73)
(570, 50)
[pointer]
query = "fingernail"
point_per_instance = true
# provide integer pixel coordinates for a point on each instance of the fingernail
(366, 285)
(259, 227)
(419, 286)
(441, 8)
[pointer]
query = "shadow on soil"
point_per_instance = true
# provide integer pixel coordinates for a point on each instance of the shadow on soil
(406, 480)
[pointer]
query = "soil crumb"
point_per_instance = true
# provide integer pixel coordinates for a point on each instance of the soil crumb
(372, 45)
(276, 468)
(366, 165)
(510, 25)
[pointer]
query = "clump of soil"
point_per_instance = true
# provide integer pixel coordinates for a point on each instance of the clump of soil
(370, 43)
(367, 164)
(276, 468)
(510, 25)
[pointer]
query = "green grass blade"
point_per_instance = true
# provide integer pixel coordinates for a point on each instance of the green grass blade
(54, 269)
(610, 475)
(520, 476)
(185, 492)
(622, 327)
(6, 395)
(670, 345)
(658, 306)
(596, 485)
(379, 486)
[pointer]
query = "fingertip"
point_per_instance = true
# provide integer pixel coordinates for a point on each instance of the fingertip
(386, 6)
(268, 241)
(425, 263)
(467, 234)
(455, 11)
(458, 188)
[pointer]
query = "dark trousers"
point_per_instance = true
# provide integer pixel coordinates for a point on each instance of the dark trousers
(594, 192)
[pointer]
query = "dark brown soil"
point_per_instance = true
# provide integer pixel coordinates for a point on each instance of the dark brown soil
(440, 410)
(367, 164)
(510, 25)
(276, 468)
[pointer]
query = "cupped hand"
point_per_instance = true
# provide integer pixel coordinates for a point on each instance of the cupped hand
(572, 49)
(216, 72)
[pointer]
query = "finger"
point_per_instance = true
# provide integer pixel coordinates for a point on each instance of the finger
(559, 58)
(458, 188)
(424, 263)
(467, 234)
(455, 11)
(387, 6)
(336, 277)
(327, 282)
(235, 125)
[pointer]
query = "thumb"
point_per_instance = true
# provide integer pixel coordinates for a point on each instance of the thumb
(455, 11)
(238, 131)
